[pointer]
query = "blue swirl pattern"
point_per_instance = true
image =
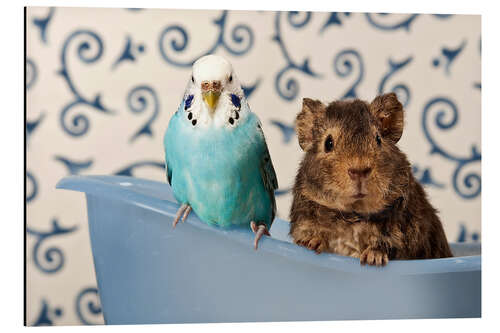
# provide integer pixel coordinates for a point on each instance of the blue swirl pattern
(53, 257)
(73, 166)
(425, 177)
(345, 63)
(401, 89)
(334, 19)
(283, 191)
(129, 169)
(466, 236)
(88, 306)
(249, 89)
(130, 52)
(137, 100)
(80, 123)
(471, 181)
(31, 195)
(385, 22)
(241, 35)
(477, 85)
(48, 315)
(287, 130)
(32, 125)
(382, 21)
(31, 73)
(43, 23)
(289, 90)
(449, 55)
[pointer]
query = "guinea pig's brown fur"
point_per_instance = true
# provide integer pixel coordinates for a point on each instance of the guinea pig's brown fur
(355, 193)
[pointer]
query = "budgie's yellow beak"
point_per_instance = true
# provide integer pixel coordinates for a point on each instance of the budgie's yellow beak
(211, 98)
(210, 91)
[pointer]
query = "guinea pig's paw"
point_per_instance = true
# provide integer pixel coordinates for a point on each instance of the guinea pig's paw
(374, 257)
(316, 244)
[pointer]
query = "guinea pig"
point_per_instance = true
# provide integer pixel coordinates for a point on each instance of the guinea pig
(354, 193)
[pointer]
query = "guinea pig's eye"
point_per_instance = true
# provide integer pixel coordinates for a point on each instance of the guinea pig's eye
(230, 78)
(379, 140)
(329, 144)
(192, 78)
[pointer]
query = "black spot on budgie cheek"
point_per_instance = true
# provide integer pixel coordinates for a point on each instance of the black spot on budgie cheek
(231, 121)
(194, 122)
(190, 116)
(235, 99)
(237, 115)
(188, 101)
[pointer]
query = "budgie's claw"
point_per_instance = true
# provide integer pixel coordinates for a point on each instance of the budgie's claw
(259, 230)
(183, 211)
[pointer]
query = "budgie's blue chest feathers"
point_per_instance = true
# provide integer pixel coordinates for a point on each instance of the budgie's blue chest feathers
(223, 170)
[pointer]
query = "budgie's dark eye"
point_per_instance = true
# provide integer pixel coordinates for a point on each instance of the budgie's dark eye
(230, 78)
(192, 78)
(379, 140)
(329, 144)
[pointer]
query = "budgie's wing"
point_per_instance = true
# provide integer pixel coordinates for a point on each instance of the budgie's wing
(169, 171)
(267, 171)
(169, 143)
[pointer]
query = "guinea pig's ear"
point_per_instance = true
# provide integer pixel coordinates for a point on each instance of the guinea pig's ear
(390, 115)
(305, 122)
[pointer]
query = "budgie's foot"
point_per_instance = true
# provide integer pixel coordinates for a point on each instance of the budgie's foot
(183, 211)
(259, 230)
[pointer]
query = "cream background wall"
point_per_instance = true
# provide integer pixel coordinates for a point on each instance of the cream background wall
(103, 83)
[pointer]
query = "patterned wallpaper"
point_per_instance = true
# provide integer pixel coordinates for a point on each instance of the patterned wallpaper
(103, 83)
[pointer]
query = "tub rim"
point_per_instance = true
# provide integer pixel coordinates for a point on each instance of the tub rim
(109, 186)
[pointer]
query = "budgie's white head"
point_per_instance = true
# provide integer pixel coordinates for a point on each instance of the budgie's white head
(214, 95)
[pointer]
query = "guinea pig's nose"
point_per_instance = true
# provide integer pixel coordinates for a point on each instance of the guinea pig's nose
(358, 174)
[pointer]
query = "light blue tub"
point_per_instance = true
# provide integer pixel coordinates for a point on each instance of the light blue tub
(148, 272)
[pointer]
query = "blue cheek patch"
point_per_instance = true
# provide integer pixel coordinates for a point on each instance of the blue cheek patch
(236, 101)
(188, 101)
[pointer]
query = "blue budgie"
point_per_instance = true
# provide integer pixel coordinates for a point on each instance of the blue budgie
(217, 159)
